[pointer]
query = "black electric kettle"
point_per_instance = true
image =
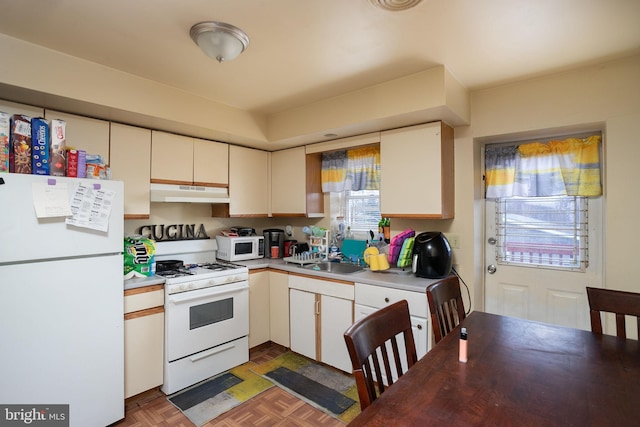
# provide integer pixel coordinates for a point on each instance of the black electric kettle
(431, 255)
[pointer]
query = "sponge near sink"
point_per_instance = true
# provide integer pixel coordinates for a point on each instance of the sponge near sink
(404, 259)
(397, 243)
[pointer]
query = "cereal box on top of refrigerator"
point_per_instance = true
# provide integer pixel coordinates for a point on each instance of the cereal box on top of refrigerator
(5, 130)
(76, 163)
(40, 146)
(20, 157)
(58, 147)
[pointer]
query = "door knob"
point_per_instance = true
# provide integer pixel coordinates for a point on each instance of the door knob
(491, 269)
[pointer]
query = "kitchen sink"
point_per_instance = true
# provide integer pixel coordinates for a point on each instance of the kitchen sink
(335, 267)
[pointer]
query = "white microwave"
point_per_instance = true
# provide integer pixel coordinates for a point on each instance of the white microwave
(240, 248)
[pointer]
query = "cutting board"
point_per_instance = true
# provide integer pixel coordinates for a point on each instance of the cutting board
(351, 247)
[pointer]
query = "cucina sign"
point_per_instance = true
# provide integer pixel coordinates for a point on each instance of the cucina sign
(172, 232)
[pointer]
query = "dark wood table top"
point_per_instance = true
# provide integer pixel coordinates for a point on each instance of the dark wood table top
(519, 373)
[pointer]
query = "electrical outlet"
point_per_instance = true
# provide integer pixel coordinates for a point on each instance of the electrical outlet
(454, 241)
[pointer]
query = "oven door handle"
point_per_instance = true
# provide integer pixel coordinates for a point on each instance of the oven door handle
(188, 298)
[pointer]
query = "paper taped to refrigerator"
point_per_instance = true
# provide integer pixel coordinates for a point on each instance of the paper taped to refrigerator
(91, 207)
(50, 201)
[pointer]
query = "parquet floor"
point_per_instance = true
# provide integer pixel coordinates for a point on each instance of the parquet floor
(273, 407)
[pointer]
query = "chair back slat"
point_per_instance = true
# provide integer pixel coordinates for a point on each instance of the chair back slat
(369, 341)
(445, 305)
(396, 356)
(621, 303)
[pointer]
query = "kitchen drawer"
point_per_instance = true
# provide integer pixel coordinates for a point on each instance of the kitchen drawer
(143, 298)
(191, 369)
(332, 288)
(379, 296)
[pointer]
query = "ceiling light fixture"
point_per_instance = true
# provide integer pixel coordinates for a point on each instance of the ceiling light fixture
(395, 5)
(220, 41)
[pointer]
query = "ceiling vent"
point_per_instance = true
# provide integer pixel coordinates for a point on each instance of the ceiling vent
(394, 5)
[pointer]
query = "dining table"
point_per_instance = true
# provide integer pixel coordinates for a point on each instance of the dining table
(518, 373)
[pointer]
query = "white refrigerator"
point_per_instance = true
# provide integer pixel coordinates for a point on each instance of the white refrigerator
(61, 298)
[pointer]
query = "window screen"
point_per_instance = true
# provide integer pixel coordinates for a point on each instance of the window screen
(360, 209)
(549, 232)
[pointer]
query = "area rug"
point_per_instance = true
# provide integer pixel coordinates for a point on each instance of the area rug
(215, 396)
(326, 389)
(322, 387)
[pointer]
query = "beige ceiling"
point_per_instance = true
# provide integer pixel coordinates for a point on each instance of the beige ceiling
(302, 51)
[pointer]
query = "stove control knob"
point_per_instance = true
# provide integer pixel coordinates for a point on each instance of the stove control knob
(190, 286)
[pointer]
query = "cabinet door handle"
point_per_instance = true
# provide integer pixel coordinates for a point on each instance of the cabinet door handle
(318, 307)
(386, 299)
(419, 327)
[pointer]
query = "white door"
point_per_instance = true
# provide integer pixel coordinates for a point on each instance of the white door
(548, 295)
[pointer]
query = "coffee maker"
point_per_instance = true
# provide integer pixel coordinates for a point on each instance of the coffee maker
(273, 243)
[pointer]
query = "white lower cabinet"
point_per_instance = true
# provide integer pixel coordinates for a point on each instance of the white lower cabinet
(302, 315)
(336, 315)
(418, 326)
(320, 312)
(279, 307)
(369, 298)
(258, 307)
(143, 339)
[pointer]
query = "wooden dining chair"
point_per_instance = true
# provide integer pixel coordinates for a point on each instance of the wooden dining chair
(373, 337)
(445, 305)
(619, 302)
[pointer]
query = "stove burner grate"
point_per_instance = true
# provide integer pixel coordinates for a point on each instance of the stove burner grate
(168, 274)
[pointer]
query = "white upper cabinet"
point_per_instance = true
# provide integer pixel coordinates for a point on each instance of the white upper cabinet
(248, 182)
(84, 133)
(210, 163)
(183, 160)
(130, 162)
(14, 108)
(295, 183)
(417, 172)
(171, 158)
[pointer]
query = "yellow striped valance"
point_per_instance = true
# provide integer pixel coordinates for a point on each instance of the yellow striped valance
(356, 169)
(569, 167)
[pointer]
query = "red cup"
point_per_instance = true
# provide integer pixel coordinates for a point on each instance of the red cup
(275, 251)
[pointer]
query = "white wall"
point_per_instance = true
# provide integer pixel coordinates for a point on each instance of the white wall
(606, 96)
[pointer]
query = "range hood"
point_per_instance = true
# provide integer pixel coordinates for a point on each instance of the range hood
(188, 194)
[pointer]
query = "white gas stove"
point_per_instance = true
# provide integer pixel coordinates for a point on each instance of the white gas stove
(206, 312)
(197, 276)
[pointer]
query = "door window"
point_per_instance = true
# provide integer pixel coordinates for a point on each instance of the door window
(548, 232)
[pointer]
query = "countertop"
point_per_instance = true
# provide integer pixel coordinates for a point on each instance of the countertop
(404, 280)
(140, 282)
